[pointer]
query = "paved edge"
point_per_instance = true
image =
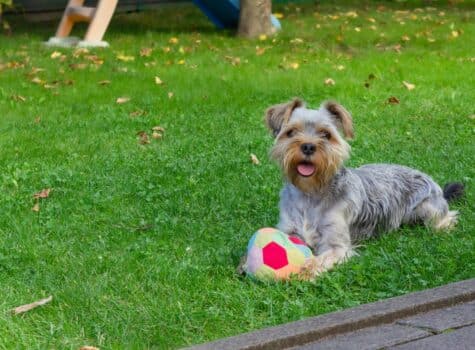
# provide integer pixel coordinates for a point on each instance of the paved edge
(335, 323)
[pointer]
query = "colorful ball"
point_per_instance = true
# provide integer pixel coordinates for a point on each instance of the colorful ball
(273, 255)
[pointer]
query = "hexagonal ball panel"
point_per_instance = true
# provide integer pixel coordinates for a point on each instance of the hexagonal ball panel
(274, 255)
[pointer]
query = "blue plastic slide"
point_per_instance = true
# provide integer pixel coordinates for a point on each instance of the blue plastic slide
(224, 13)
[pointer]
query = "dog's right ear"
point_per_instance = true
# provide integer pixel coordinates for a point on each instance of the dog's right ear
(279, 115)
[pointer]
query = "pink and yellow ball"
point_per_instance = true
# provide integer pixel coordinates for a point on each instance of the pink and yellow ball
(273, 255)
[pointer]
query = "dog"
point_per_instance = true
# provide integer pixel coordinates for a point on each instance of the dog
(333, 207)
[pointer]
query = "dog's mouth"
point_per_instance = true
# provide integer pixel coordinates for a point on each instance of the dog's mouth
(306, 169)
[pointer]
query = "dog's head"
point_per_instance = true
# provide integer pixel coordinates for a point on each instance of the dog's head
(308, 144)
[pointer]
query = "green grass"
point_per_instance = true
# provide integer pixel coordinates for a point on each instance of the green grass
(138, 244)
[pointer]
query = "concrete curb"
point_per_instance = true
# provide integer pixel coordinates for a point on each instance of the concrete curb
(335, 323)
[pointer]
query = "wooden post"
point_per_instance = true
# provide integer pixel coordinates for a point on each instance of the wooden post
(254, 18)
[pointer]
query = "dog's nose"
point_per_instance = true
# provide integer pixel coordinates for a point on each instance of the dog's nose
(308, 148)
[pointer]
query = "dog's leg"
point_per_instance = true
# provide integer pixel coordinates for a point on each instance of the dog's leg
(333, 247)
(435, 213)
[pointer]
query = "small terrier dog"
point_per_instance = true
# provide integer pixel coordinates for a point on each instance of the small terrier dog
(332, 207)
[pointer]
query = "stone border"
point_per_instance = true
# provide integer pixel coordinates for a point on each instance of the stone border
(335, 323)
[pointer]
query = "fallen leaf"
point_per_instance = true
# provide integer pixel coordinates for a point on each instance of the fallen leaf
(393, 100)
(173, 40)
(104, 82)
(36, 70)
(55, 54)
(455, 33)
(37, 80)
(19, 98)
(137, 113)
(36, 207)
(121, 100)
(405, 38)
(156, 135)
(357, 29)
(158, 128)
(294, 65)
(80, 51)
(44, 193)
(170, 94)
(340, 67)
(181, 62)
(158, 81)
(88, 347)
(235, 61)
(254, 159)
(143, 138)
(297, 41)
(28, 307)
(351, 14)
(329, 81)
(146, 51)
(260, 51)
(124, 58)
(408, 86)
(78, 65)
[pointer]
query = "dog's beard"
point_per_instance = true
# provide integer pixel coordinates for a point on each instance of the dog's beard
(308, 173)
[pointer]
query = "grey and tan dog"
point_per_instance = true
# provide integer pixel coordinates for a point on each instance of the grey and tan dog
(332, 207)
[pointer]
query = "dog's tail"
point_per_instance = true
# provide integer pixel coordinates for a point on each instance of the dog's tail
(453, 191)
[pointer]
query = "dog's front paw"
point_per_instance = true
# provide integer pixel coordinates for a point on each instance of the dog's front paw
(311, 269)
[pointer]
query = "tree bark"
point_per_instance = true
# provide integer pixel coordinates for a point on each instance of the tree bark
(254, 18)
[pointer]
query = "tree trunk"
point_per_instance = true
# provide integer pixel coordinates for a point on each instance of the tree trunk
(254, 18)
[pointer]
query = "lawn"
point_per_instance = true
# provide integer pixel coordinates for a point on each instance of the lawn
(140, 236)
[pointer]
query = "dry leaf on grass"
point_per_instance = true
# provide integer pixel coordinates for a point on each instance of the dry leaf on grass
(143, 138)
(254, 159)
(88, 347)
(158, 129)
(170, 94)
(104, 82)
(19, 98)
(146, 51)
(329, 81)
(121, 100)
(173, 40)
(55, 54)
(409, 86)
(294, 65)
(393, 100)
(137, 113)
(28, 307)
(44, 193)
(158, 81)
(156, 135)
(125, 58)
(36, 207)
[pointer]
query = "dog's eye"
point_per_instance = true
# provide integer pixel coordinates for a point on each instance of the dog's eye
(290, 133)
(326, 134)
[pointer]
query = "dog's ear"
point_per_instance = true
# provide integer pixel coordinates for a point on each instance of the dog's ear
(279, 115)
(341, 117)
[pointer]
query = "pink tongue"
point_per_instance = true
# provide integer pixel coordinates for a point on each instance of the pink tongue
(305, 169)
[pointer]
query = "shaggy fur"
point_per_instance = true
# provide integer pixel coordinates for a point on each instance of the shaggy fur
(332, 207)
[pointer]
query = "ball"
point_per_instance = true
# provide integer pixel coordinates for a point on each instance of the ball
(274, 255)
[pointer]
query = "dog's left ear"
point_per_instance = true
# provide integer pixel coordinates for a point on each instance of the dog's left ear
(341, 118)
(279, 115)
